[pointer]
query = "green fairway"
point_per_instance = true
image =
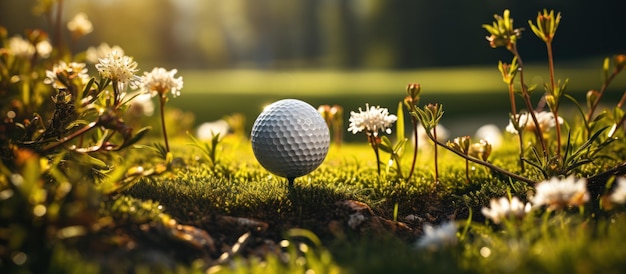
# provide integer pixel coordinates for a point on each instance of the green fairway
(471, 96)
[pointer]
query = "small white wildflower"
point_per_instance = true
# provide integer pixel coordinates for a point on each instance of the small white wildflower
(142, 105)
(93, 54)
(21, 47)
(160, 82)
(422, 139)
(545, 119)
(44, 49)
(120, 68)
(71, 71)
(619, 193)
(80, 25)
(371, 120)
(490, 133)
(502, 208)
(558, 194)
(207, 130)
(435, 238)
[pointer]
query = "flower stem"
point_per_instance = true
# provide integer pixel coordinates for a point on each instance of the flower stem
(162, 100)
(436, 160)
(516, 121)
(372, 140)
(605, 85)
(555, 109)
(529, 105)
(484, 163)
(414, 120)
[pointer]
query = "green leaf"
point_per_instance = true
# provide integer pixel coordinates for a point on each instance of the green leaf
(385, 145)
(135, 138)
(400, 122)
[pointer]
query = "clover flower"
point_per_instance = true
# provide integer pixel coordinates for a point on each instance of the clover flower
(21, 47)
(119, 68)
(558, 194)
(371, 120)
(438, 237)
(94, 54)
(619, 193)
(504, 208)
(80, 25)
(67, 71)
(545, 119)
(160, 81)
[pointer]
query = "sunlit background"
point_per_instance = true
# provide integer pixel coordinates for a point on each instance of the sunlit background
(237, 55)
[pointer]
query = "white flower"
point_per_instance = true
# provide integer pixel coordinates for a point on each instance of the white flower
(545, 119)
(21, 47)
(93, 54)
(371, 120)
(44, 48)
(80, 25)
(504, 209)
(438, 237)
(207, 130)
(490, 133)
(120, 68)
(558, 194)
(142, 105)
(160, 81)
(71, 71)
(422, 138)
(619, 193)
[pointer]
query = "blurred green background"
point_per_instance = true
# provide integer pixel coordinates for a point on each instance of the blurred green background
(238, 55)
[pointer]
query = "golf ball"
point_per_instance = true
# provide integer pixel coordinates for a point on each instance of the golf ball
(290, 138)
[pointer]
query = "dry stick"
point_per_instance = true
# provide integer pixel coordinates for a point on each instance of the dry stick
(529, 104)
(483, 163)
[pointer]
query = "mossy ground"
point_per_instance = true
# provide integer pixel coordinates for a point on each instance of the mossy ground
(258, 224)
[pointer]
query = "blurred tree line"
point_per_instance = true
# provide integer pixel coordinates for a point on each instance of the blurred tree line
(341, 34)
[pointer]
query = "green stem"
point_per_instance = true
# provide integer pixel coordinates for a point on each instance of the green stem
(467, 176)
(529, 105)
(605, 85)
(415, 136)
(372, 140)
(436, 160)
(555, 109)
(483, 163)
(162, 100)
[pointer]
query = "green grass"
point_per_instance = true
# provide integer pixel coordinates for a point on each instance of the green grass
(471, 96)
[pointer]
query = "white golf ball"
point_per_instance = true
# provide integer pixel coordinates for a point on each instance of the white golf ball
(290, 138)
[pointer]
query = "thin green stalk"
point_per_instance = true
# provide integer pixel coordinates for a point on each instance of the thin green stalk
(162, 100)
(436, 159)
(605, 85)
(415, 137)
(555, 109)
(529, 105)
(483, 163)
(372, 140)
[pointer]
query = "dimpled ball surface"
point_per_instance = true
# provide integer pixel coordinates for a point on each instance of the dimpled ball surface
(290, 138)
